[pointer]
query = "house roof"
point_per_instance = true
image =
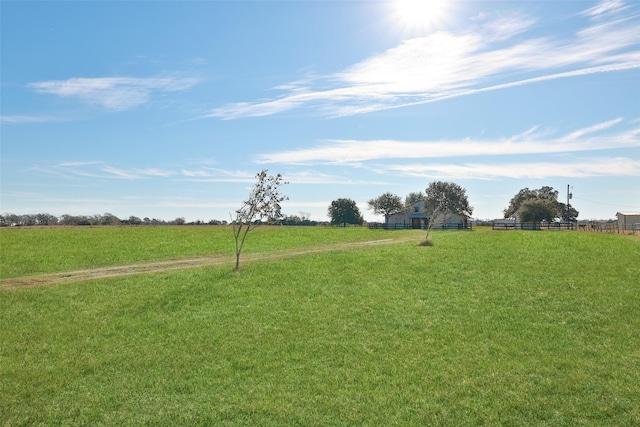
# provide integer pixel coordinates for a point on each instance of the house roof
(628, 213)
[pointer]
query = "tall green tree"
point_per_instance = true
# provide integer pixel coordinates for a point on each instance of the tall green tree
(546, 206)
(538, 210)
(386, 204)
(263, 204)
(545, 193)
(570, 215)
(344, 211)
(444, 198)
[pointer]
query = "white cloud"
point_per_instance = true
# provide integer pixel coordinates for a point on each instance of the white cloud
(296, 177)
(196, 173)
(529, 142)
(26, 119)
(155, 172)
(444, 65)
(619, 166)
(605, 7)
(195, 204)
(505, 27)
(102, 170)
(208, 174)
(74, 164)
(137, 173)
(592, 129)
(312, 177)
(113, 93)
(96, 169)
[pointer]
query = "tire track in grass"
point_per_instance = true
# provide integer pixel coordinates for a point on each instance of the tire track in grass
(179, 264)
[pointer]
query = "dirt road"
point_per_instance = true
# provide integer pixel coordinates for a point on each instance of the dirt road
(180, 264)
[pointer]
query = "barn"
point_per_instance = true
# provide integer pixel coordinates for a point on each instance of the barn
(415, 217)
(628, 221)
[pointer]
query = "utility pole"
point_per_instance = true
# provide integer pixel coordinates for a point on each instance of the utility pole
(569, 196)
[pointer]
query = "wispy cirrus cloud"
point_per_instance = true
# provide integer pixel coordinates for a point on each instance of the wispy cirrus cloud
(533, 141)
(397, 158)
(102, 170)
(592, 167)
(604, 8)
(89, 171)
(105, 171)
(209, 174)
(113, 93)
(444, 65)
(17, 119)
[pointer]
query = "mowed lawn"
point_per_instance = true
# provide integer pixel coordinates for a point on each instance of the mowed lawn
(483, 328)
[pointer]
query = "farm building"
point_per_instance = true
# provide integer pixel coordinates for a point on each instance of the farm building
(628, 220)
(415, 217)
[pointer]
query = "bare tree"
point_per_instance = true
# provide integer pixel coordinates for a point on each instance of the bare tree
(263, 203)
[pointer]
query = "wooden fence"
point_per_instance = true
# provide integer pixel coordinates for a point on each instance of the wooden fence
(380, 226)
(497, 225)
(593, 226)
(599, 226)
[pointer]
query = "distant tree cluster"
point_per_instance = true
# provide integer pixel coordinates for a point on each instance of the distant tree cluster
(45, 219)
(13, 220)
(539, 205)
(302, 219)
(440, 199)
(10, 219)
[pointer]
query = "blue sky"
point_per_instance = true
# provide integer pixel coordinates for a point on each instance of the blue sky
(167, 109)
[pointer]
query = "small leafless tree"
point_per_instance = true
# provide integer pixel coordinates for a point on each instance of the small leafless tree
(263, 204)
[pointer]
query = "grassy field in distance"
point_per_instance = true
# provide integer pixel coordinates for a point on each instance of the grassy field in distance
(484, 327)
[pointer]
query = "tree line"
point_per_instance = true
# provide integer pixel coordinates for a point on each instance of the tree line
(527, 205)
(441, 198)
(46, 219)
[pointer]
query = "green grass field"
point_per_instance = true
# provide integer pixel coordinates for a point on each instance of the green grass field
(30, 251)
(483, 328)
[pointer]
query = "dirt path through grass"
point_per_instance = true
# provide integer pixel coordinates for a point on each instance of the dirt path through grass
(177, 264)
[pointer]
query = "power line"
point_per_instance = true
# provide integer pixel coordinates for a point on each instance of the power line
(606, 204)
